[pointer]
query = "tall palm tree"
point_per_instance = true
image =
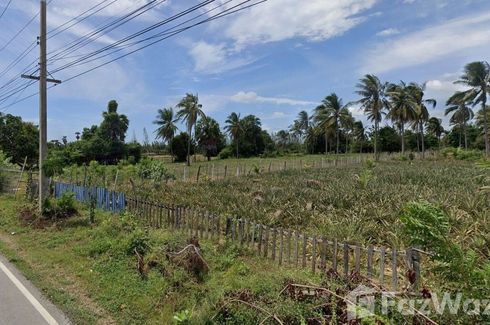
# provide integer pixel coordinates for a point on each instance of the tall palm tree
(359, 133)
(301, 124)
(403, 108)
(234, 128)
(190, 111)
(476, 76)
(373, 102)
(166, 126)
(347, 125)
(422, 115)
(434, 127)
(329, 114)
(461, 113)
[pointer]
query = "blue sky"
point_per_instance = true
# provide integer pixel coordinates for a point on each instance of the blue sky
(272, 60)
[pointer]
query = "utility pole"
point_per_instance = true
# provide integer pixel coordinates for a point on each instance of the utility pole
(43, 107)
(43, 103)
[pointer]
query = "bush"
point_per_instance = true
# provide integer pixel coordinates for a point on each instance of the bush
(227, 152)
(154, 170)
(462, 154)
(61, 208)
(427, 226)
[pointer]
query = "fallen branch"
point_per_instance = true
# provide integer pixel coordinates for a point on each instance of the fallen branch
(193, 248)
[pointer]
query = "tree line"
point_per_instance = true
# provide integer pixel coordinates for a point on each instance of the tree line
(329, 128)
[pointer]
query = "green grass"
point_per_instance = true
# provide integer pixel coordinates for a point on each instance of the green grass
(87, 271)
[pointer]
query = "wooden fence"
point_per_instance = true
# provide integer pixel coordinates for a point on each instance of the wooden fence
(103, 198)
(388, 267)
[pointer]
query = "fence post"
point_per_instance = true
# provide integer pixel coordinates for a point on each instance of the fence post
(313, 256)
(346, 259)
(226, 170)
(334, 255)
(394, 271)
(198, 173)
(415, 264)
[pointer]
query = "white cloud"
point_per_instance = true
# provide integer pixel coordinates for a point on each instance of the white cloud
(252, 97)
(427, 45)
(215, 58)
(388, 32)
(314, 20)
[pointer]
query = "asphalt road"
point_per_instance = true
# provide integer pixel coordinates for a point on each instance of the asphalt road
(21, 303)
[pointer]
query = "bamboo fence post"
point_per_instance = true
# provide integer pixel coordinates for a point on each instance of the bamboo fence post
(313, 255)
(198, 173)
(334, 255)
(305, 239)
(323, 253)
(346, 259)
(382, 266)
(357, 257)
(394, 271)
(296, 252)
(266, 242)
(370, 261)
(274, 240)
(261, 230)
(281, 248)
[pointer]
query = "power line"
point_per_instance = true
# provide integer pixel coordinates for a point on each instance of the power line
(139, 33)
(99, 32)
(5, 9)
(76, 19)
(161, 37)
(21, 30)
(217, 16)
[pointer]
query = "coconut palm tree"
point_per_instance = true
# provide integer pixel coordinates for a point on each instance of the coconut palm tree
(403, 107)
(476, 76)
(166, 126)
(302, 123)
(190, 111)
(434, 127)
(461, 113)
(234, 128)
(373, 102)
(329, 115)
(422, 115)
(359, 133)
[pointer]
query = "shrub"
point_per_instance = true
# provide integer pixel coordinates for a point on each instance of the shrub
(226, 153)
(61, 208)
(427, 226)
(462, 154)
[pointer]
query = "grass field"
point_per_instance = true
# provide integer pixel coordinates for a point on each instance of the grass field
(90, 270)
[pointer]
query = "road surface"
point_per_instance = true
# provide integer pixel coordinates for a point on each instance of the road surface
(21, 303)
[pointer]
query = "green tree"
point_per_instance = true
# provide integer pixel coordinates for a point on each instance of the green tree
(234, 128)
(166, 126)
(461, 114)
(19, 139)
(421, 117)
(476, 76)
(373, 102)
(329, 115)
(435, 128)
(179, 144)
(112, 133)
(403, 107)
(209, 137)
(190, 111)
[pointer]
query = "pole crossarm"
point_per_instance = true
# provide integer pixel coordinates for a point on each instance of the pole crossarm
(55, 81)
